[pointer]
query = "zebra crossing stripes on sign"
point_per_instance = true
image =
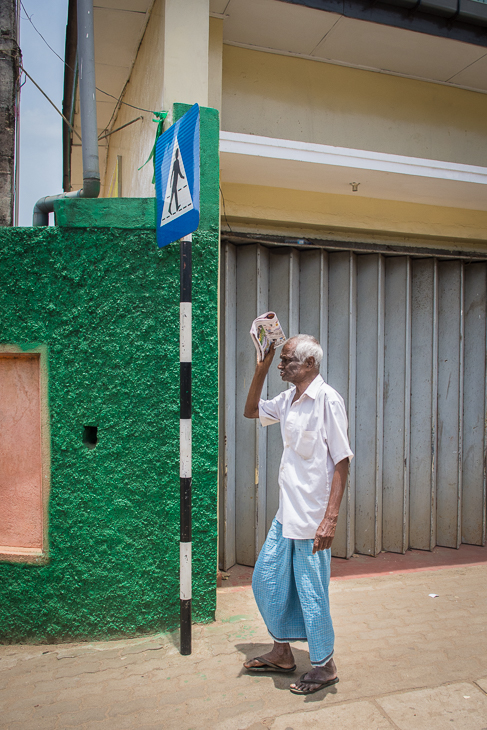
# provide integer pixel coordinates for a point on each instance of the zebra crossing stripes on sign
(177, 200)
(178, 179)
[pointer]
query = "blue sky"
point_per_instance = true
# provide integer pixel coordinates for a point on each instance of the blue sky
(40, 124)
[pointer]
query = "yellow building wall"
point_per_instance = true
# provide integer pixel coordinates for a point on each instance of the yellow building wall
(144, 89)
(280, 211)
(215, 61)
(186, 59)
(309, 101)
(290, 98)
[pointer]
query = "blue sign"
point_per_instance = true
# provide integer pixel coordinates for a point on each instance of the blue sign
(178, 179)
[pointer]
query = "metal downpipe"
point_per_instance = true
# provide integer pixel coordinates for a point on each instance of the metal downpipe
(89, 134)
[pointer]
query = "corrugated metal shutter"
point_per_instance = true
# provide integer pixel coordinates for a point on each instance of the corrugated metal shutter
(405, 344)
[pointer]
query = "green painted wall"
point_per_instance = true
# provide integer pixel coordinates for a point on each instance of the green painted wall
(105, 301)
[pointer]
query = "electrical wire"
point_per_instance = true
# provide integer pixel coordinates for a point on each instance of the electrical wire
(29, 18)
(50, 102)
(103, 136)
(139, 108)
(224, 210)
(12, 55)
(118, 99)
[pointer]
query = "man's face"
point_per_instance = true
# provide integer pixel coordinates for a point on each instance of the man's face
(291, 370)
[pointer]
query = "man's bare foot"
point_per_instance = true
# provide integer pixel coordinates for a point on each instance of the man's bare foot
(305, 685)
(281, 655)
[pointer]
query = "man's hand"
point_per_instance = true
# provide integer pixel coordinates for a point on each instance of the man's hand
(324, 535)
(326, 531)
(268, 358)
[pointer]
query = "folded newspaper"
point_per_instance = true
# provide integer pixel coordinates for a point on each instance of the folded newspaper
(265, 330)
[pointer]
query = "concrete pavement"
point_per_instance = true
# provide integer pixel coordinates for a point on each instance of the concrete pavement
(405, 661)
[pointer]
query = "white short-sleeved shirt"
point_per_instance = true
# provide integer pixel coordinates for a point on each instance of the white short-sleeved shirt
(314, 433)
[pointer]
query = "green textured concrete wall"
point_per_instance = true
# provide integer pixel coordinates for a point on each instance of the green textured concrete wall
(105, 302)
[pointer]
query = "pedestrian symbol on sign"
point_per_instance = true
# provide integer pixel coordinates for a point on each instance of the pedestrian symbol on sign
(177, 199)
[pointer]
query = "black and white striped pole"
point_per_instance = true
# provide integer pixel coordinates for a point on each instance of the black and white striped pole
(185, 474)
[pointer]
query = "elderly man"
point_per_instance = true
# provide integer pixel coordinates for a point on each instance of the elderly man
(292, 573)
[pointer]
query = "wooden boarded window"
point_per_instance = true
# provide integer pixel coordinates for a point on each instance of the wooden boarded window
(21, 457)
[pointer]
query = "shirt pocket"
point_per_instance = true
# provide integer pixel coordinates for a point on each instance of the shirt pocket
(306, 443)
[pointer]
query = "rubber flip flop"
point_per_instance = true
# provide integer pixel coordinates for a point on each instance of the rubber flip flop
(322, 685)
(269, 667)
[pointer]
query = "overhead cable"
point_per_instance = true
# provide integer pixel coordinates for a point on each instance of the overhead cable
(118, 99)
(51, 102)
(41, 90)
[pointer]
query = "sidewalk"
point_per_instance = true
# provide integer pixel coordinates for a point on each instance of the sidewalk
(405, 660)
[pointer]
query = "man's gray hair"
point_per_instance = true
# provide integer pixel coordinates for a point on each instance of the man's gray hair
(307, 346)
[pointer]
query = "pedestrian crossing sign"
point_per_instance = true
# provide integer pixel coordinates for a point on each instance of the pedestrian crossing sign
(178, 179)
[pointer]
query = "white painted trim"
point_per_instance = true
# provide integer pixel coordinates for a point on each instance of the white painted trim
(185, 571)
(185, 447)
(284, 149)
(185, 338)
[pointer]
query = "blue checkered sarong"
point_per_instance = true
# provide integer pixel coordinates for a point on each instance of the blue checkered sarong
(290, 586)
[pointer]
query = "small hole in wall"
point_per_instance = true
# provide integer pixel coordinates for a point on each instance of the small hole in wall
(90, 436)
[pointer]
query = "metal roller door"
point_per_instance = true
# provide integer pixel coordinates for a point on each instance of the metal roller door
(404, 340)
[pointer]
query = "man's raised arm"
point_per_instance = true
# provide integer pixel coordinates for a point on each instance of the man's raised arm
(261, 369)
